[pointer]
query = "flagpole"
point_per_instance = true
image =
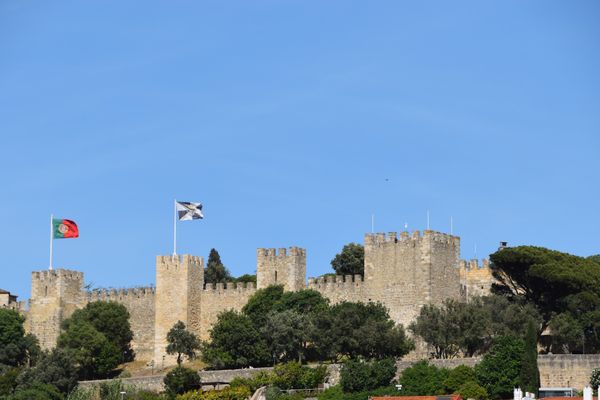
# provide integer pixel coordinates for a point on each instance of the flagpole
(51, 238)
(175, 227)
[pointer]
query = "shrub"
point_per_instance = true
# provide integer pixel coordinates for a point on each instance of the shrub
(237, 393)
(38, 392)
(472, 390)
(423, 379)
(357, 376)
(285, 376)
(595, 378)
(499, 370)
(458, 377)
(181, 380)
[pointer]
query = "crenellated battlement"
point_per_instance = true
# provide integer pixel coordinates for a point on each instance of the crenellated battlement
(54, 274)
(410, 238)
(281, 252)
(474, 264)
(335, 281)
(119, 294)
(229, 286)
(177, 260)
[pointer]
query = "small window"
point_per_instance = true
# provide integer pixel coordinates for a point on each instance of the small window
(275, 276)
(46, 291)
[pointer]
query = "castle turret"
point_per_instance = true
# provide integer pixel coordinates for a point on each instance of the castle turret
(410, 270)
(55, 295)
(179, 283)
(286, 267)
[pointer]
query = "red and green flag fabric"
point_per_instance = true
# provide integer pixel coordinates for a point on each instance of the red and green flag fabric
(64, 229)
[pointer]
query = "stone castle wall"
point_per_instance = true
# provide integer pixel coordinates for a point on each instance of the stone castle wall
(339, 288)
(403, 272)
(222, 297)
(140, 302)
(476, 279)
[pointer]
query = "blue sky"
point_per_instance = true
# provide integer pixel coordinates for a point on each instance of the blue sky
(293, 122)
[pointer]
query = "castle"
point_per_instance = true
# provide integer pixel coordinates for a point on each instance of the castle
(404, 272)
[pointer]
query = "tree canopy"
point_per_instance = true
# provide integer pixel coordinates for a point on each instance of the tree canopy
(564, 288)
(458, 328)
(181, 342)
(16, 347)
(98, 337)
(350, 261)
(215, 271)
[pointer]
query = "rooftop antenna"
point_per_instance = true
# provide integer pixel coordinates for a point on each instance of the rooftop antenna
(427, 219)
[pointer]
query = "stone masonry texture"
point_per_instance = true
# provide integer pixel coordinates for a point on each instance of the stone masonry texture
(403, 271)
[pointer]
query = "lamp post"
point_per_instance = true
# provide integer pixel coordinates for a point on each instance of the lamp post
(122, 394)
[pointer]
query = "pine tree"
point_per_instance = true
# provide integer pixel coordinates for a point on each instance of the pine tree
(530, 374)
(215, 271)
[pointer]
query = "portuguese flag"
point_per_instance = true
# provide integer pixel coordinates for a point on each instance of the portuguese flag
(64, 229)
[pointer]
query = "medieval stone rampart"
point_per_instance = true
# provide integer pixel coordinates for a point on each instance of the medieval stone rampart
(475, 278)
(140, 302)
(220, 297)
(339, 288)
(403, 271)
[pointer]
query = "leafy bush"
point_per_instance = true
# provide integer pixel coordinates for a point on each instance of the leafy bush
(595, 378)
(37, 392)
(230, 393)
(459, 376)
(357, 376)
(181, 380)
(423, 379)
(292, 375)
(472, 390)
(500, 368)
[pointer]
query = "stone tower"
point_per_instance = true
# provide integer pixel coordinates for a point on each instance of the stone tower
(287, 268)
(179, 283)
(409, 271)
(55, 295)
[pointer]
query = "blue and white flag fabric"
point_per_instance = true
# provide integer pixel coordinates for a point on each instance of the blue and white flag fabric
(187, 211)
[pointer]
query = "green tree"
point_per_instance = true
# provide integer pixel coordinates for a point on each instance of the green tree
(302, 301)
(181, 380)
(110, 319)
(350, 261)
(37, 392)
(182, 342)
(235, 342)
(530, 374)
(246, 278)
(357, 376)
(439, 328)
(215, 271)
(92, 352)
(286, 334)
(8, 379)
(358, 330)
(500, 368)
(261, 303)
(555, 282)
(423, 379)
(472, 390)
(459, 376)
(56, 367)
(16, 348)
